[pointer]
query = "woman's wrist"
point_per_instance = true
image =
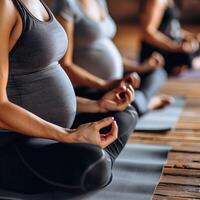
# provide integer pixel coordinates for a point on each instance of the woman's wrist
(87, 105)
(177, 47)
(66, 136)
(72, 136)
(143, 68)
(101, 84)
(105, 85)
(96, 106)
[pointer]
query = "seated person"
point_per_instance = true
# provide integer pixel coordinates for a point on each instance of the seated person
(44, 144)
(93, 61)
(162, 32)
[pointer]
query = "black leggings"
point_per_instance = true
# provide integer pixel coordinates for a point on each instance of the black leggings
(172, 59)
(40, 165)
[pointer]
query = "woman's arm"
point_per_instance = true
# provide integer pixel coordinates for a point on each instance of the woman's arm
(131, 66)
(155, 61)
(185, 33)
(87, 105)
(116, 100)
(14, 117)
(151, 20)
(78, 75)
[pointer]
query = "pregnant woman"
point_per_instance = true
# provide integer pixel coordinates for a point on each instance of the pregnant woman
(93, 60)
(162, 32)
(43, 145)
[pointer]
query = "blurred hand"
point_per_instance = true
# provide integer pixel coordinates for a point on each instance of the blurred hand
(117, 99)
(190, 45)
(132, 79)
(198, 37)
(90, 133)
(109, 85)
(155, 61)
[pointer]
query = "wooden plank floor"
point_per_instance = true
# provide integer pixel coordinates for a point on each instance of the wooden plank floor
(181, 175)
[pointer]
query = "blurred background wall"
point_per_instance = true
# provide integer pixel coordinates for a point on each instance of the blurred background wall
(128, 10)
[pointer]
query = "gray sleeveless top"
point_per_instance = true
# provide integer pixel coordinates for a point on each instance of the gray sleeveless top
(93, 46)
(36, 80)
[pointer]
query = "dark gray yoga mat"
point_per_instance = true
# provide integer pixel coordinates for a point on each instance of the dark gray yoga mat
(136, 174)
(161, 120)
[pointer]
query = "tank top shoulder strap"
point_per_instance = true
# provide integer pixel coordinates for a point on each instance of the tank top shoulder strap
(22, 11)
(47, 8)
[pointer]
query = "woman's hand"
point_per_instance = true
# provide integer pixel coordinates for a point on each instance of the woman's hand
(117, 100)
(109, 85)
(132, 79)
(190, 45)
(90, 133)
(155, 61)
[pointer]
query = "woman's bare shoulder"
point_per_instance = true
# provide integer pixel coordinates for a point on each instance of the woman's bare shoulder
(7, 6)
(160, 3)
(8, 12)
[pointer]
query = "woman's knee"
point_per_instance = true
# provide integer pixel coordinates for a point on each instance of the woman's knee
(132, 116)
(162, 74)
(99, 173)
(126, 121)
(140, 103)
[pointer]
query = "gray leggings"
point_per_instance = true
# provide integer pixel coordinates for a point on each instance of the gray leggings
(151, 84)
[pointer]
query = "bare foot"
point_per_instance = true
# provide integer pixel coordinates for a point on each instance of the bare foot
(178, 70)
(196, 63)
(160, 101)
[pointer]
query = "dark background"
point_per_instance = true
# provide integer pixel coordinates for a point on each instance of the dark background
(129, 10)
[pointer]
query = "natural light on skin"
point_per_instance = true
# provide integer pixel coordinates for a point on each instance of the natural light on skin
(38, 103)
(52, 139)
(174, 39)
(79, 73)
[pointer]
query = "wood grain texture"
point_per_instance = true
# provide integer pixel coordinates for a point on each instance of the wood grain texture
(181, 175)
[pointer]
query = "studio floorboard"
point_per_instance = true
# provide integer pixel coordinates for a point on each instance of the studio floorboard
(181, 175)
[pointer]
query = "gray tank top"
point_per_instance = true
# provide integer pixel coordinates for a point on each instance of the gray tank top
(36, 80)
(94, 49)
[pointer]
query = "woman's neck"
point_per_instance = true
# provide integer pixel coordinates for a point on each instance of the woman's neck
(171, 2)
(93, 9)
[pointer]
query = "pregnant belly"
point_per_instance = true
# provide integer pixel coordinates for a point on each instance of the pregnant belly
(48, 94)
(101, 59)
